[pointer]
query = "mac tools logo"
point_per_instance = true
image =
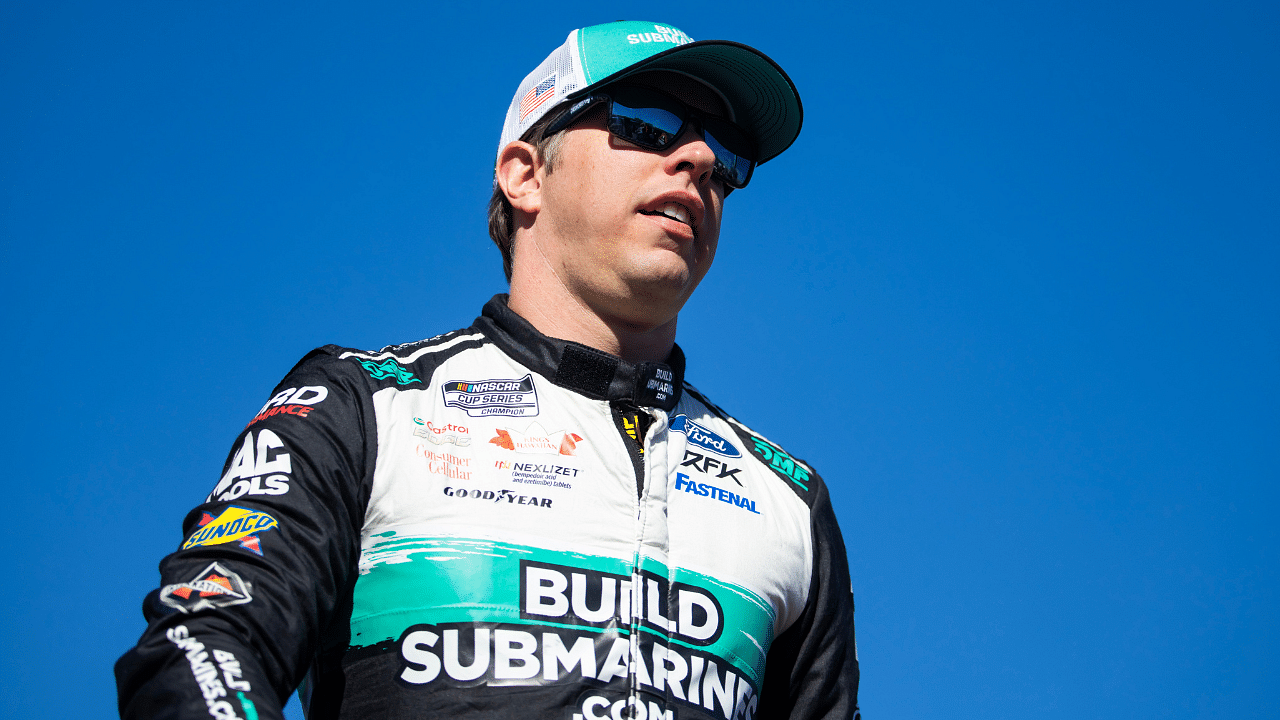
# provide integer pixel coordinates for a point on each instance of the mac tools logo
(516, 398)
(703, 437)
(266, 472)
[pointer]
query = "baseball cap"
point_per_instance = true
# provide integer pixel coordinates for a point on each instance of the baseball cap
(760, 97)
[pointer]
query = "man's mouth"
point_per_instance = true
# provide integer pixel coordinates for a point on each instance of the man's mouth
(676, 212)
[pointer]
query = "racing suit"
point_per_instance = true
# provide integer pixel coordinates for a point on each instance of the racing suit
(493, 523)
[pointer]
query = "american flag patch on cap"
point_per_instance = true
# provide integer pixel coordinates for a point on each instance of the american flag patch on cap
(537, 95)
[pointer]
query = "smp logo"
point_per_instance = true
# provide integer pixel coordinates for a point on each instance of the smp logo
(703, 437)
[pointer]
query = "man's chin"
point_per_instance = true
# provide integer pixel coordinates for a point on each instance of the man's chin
(662, 285)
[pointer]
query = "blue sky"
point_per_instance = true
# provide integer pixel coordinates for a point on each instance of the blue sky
(1013, 292)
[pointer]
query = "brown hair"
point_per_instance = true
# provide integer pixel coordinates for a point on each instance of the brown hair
(501, 223)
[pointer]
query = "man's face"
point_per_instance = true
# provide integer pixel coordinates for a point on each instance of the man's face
(632, 231)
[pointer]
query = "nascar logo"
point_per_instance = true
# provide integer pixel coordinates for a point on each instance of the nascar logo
(515, 397)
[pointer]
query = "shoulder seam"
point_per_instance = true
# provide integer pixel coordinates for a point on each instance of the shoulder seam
(446, 341)
(731, 419)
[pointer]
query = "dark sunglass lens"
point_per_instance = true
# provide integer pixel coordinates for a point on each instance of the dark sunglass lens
(647, 127)
(734, 169)
(731, 137)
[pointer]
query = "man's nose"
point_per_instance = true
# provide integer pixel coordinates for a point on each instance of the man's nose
(691, 152)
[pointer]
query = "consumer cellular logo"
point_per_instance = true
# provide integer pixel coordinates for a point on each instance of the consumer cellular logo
(703, 437)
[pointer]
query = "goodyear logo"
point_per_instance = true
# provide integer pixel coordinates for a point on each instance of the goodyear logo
(235, 524)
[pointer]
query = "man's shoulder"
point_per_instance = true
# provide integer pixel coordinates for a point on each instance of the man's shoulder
(404, 364)
(794, 472)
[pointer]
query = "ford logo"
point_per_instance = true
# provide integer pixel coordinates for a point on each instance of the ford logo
(703, 437)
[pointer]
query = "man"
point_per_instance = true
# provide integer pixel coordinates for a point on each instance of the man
(533, 517)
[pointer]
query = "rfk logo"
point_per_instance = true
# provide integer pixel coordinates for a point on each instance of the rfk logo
(705, 463)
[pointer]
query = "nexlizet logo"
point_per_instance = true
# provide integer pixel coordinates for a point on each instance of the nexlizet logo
(534, 473)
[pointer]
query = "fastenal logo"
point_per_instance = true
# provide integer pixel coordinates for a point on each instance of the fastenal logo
(516, 398)
(235, 524)
(703, 437)
(213, 587)
(711, 492)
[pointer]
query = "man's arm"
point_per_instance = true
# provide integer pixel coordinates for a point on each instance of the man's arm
(812, 668)
(245, 603)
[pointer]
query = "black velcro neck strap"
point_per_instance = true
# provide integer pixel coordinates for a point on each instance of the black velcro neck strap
(571, 365)
(586, 369)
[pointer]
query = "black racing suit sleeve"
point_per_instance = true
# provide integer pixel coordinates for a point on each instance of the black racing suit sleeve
(239, 618)
(812, 667)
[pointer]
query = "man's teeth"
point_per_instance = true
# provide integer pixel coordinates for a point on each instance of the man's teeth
(676, 211)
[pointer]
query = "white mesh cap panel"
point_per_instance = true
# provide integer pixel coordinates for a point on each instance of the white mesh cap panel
(542, 90)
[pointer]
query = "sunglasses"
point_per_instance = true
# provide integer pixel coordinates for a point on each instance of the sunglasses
(654, 121)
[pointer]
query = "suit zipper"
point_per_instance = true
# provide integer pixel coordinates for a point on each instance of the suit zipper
(626, 419)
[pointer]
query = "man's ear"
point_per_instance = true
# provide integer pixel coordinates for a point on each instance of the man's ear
(519, 175)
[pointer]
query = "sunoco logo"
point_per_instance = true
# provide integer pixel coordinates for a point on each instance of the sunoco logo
(703, 437)
(235, 524)
(482, 398)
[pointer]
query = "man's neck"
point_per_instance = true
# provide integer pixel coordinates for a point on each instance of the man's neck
(559, 314)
